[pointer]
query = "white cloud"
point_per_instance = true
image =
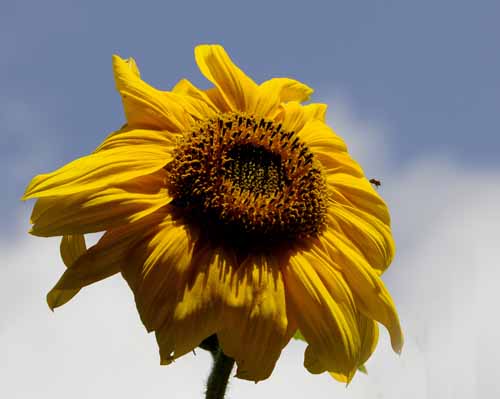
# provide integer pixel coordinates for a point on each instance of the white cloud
(445, 278)
(96, 345)
(444, 281)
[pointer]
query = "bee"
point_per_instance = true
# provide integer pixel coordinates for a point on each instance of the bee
(375, 182)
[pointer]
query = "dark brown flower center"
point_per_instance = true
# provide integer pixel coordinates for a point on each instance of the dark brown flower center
(247, 181)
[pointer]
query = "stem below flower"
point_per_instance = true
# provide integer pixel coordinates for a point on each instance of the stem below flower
(211, 344)
(218, 379)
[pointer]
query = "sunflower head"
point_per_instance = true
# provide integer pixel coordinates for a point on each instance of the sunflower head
(234, 212)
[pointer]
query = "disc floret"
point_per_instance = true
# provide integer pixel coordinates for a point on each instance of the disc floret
(250, 177)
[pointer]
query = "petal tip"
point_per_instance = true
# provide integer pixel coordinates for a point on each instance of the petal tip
(116, 58)
(308, 92)
(166, 361)
(122, 66)
(397, 340)
(30, 191)
(51, 301)
(207, 46)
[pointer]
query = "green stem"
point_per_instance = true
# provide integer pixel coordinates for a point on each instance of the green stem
(218, 379)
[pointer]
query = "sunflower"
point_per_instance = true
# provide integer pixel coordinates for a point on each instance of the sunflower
(233, 212)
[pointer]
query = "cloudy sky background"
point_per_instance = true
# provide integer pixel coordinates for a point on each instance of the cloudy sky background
(413, 87)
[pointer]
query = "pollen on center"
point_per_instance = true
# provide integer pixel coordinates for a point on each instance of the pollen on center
(248, 177)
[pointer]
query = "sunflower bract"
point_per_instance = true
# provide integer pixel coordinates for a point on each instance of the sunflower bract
(235, 211)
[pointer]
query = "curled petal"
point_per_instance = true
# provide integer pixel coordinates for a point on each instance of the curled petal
(71, 248)
(102, 260)
(94, 211)
(205, 105)
(368, 330)
(287, 89)
(145, 106)
(198, 309)
(292, 116)
(257, 327)
(100, 170)
(327, 323)
(315, 111)
(372, 297)
(158, 268)
(236, 88)
(274, 92)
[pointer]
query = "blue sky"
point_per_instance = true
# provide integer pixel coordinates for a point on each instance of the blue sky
(414, 87)
(429, 70)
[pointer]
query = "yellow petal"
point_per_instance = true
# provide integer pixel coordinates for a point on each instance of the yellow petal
(358, 193)
(127, 137)
(102, 260)
(256, 327)
(335, 162)
(94, 211)
(287, 89)
(236, 88)
(72, 247)
(99, 170)
(244, 305)
(320, 138)
(187, 292)
(198, 310)
(339, 377)
(364, 329)
(296, 117)
(216, 98)
(327, 323)
(266, 105)
(276, 91)
(201, 105)
(315, 111)
(372, 297)
(145, 106)
(367, 232)
(158, 268)
(291, 116)
(368, 330)
(90, 268)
